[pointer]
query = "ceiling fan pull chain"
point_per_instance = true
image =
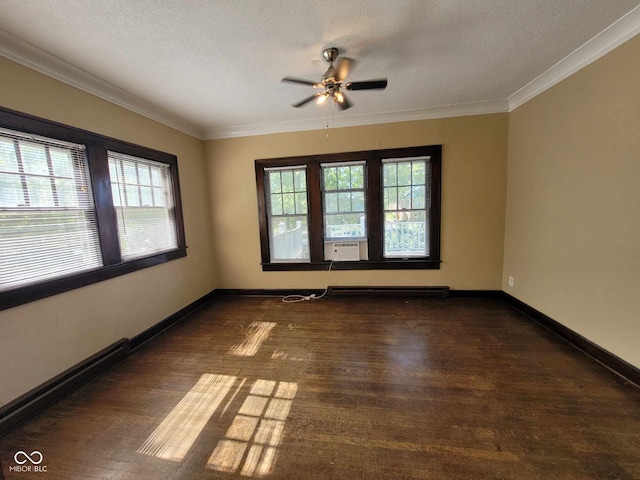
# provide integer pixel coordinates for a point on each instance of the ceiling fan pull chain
(327, 112)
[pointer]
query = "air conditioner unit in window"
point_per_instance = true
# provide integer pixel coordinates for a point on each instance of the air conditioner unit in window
(345, 251)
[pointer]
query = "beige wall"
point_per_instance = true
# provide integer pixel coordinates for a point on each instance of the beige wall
(473, 201)
(43, 338)
(572, 239)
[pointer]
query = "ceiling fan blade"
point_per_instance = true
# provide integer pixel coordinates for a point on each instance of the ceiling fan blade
(301, 81)
(367, 85)
(345, 65)
(344, 104)
(307, 100)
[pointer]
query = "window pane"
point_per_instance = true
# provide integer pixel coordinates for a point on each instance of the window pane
(276, 204)
(42, 245)
(389, 175)
(357, 176)
(143, 231)
(300, 180)
(357, 201)
(288, 201)
(40, 192)
(344, 202)
(8, 159)
(404, 173)
(418, 172)
(34, 158)
(301, 203)
(115, 171)
(349, 225)
(344, 178)
(287, 181)
(330, 178)
(61, 162)
(404, 198)
(417, 197)
(11, 193)
(133, 197)
(158, 197)
(156, 176)
(274, 182)
(289, 239)
(331, 202)
(129, 170)
(117, 195)
(405, 234)
(147, 196)
(390, 198)
(66, 190)
(144, 175)
(145, 215)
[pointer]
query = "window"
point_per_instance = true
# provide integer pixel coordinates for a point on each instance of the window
(47, 221)
(343, 201)
(384, 204)
(405, 207)
(77, 208)
(141, 195)
(287, 211)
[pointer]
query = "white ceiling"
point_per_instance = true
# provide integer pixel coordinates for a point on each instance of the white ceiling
(212, 68)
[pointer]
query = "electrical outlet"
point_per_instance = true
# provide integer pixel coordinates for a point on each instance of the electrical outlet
(511, 281)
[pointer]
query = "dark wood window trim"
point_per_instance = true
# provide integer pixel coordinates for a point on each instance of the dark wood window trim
(96, 150)
(373, 200)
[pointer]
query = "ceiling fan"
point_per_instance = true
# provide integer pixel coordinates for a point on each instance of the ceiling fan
(332, 82)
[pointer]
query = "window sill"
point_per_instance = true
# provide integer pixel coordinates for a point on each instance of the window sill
(391, 264)
(30, 293)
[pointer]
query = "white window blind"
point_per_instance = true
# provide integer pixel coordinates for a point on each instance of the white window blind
(48, 225)
(143, 199)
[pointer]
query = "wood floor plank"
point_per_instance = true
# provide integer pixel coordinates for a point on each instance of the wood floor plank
(343, 388)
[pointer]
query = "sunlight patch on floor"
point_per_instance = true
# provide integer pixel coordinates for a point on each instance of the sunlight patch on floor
(173, 438)
(251, 442)
(256, 334)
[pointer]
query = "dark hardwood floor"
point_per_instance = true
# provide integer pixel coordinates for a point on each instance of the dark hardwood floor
(343, 388)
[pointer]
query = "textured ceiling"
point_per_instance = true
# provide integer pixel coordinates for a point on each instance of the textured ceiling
(215, 66)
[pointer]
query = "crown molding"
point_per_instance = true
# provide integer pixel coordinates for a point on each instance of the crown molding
(37, 59)
(446, 111)
(610, 38)
(32, 57)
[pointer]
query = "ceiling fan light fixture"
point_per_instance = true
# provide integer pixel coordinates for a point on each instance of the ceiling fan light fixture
(333, 80)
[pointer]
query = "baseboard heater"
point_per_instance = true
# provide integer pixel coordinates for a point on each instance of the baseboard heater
(44, 395)
(419, 292)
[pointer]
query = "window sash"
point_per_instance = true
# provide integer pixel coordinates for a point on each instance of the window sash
(287, 214)
(406, 196)
(344, 200)
(142, 198)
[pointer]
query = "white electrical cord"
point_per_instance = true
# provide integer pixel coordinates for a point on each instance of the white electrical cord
(304, 298)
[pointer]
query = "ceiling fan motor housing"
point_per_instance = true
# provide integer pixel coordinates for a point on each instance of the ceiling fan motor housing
(329, 76)
(330, 54)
